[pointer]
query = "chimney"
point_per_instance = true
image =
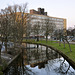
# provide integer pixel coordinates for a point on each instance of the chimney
(42, 11)
(39, 10)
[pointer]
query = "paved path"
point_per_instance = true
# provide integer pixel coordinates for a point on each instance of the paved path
(72, 42)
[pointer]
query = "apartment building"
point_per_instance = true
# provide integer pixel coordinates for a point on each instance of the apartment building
(41, 17)
(60, 23)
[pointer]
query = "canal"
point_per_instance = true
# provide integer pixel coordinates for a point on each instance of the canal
(39, 60)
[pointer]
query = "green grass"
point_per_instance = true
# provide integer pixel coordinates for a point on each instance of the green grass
(65, 50)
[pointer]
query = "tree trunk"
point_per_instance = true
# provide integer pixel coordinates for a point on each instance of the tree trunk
(64, 43)
(0, 53)
(37, 38)
(60, 42)
(69, 46)
(37, 47)
(46, 39)
(47, 52)
(6, 44)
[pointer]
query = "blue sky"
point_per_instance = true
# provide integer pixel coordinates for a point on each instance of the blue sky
(55, 8)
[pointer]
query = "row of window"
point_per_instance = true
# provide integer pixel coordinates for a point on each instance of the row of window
(45, 17)
(43, 21)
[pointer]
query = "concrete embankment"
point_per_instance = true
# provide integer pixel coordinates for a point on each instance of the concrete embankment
(12, 60)
(3, 68)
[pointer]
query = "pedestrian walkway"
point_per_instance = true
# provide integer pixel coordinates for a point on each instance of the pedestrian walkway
(72, 42)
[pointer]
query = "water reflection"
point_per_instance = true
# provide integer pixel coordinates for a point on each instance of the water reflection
(39, 60)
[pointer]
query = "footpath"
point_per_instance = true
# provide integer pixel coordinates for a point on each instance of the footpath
(72, 42)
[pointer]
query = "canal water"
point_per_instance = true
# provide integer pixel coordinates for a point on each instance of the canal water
(39, 60)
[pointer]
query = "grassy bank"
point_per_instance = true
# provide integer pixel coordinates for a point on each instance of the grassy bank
(65, 50)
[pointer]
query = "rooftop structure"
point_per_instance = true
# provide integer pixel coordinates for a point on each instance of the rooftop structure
(40, 11)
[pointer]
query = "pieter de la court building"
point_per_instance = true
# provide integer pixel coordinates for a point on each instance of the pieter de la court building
(40, 14)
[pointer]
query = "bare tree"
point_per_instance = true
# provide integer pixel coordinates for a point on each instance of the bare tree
(19, 21)
(56, 35)
(63, 36)
(36, 29)
(48, 28)
(28, 30)
(13, 22)
(28, 27)
(5, 26)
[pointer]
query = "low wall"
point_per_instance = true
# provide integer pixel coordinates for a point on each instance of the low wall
(11, 61)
